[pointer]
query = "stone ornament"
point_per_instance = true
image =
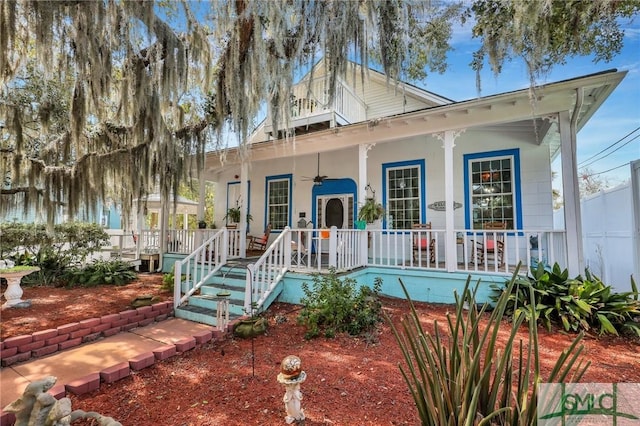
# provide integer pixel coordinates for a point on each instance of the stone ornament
(13, 294)
(36, 407)
(291, 376)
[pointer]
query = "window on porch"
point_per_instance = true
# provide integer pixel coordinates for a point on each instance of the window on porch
(278, 202)
(404, 193)
(492, 182)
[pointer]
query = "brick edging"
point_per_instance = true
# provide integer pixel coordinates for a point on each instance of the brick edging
(91, 382)
(22, 348)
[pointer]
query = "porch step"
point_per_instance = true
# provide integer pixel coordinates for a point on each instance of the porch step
(200, 314)
(202, 307)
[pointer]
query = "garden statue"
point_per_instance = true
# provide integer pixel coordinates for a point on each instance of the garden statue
(36, 407)
(291, 376)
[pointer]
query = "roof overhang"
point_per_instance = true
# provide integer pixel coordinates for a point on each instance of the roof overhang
(526, 107)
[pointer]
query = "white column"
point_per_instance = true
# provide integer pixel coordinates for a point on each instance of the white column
(244, 195)
(451, 254)
(571, 195)
(362, 173)
(202, 198)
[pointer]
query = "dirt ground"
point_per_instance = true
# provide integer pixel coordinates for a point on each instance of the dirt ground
(350, 381)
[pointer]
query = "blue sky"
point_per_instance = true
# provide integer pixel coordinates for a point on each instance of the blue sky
(617, 117)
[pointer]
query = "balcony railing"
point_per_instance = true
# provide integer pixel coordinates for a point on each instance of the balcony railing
(310, 105)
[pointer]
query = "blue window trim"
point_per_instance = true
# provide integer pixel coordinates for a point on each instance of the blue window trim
(237, 182)
(515, 153)
(289, 178)
(423, 190)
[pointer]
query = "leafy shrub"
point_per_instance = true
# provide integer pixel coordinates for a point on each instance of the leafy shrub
(333, 306)
(168, 282)
(465, 377)
(575, 304)
(115, 272)
(68, 245)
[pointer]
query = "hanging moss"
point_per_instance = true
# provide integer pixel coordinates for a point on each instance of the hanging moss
(109, 99)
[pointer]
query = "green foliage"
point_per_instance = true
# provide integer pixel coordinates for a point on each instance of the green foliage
(546, 33)
(370, 211)
(575, 304)
(333, 306)
(67, 246)
(168, 281)
(463, 376)
(114, 272)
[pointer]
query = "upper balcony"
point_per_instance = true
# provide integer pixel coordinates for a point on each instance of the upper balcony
(311, 110)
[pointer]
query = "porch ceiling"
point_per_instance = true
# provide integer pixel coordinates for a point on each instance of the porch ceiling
(515, 111)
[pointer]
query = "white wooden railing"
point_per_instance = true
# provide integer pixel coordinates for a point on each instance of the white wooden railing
(266, 272)
(192, 272)
(315, 250)
(309, 100)
(402, 248)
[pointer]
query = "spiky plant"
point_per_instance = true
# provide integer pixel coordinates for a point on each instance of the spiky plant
(465, 377)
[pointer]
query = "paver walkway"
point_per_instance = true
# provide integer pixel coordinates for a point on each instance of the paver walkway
(125, 350)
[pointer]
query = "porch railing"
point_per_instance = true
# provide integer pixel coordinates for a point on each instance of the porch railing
(426, 249)
(267, 271)
(314, 250)
(194, 270)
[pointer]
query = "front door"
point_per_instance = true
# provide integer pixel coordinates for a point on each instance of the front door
(335, 210)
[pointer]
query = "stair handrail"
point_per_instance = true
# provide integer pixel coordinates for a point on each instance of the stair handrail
(265, 274)
(203, 262)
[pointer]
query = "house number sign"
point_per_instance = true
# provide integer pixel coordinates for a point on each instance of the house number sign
(439, 206)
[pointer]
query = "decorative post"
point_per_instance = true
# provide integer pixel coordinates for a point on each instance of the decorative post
(222, 319)
(292, 376)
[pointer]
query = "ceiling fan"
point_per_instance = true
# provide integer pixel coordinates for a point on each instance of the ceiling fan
(317, 179)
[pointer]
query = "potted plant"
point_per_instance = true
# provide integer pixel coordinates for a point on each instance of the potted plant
(370, 211)
(202, 224)
(233, 215)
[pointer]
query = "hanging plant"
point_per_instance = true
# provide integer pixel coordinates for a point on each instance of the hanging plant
(370, 211)
(233, 215)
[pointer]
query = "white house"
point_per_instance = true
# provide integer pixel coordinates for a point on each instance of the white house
(457, 166)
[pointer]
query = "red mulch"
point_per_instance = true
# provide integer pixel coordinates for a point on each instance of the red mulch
(350, 381)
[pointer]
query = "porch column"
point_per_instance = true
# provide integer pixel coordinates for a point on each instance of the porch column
(202, 194)
(571, 194)
(451, 254)
(362, 171)
(244, 196)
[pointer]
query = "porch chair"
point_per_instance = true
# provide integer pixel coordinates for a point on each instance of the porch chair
(259, 243)
(299, 254)
(494, 246)
(423, 243)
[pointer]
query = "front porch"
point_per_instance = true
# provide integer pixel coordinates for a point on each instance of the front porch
(198, 256)
(317, 250)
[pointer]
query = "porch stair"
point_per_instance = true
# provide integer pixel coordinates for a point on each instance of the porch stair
(202, 306)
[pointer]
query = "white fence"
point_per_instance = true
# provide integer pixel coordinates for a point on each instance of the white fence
(610, 234)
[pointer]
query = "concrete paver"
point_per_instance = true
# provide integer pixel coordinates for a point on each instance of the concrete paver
(94, 357)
